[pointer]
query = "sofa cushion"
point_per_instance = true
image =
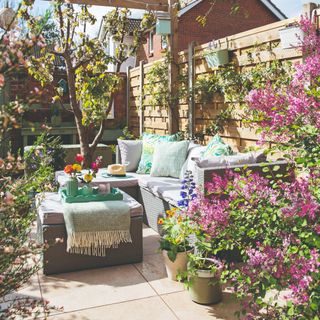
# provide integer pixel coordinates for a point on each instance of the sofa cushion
(195, 151)
(130, 151)
(148, 143)
(217, 147)
(168, 159)
(226, 161)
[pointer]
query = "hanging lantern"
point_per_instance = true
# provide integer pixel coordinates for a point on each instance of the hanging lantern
(163, 24)
(7, 18)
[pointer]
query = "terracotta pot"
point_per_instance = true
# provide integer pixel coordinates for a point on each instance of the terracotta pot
(179, 265)
(205, 288)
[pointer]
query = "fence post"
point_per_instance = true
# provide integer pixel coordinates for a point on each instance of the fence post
(191, 104)
(173, 71)
(141, 109)
(128, 97)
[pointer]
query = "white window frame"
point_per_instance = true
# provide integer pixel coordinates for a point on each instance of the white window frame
(151, 42)
(164, 40)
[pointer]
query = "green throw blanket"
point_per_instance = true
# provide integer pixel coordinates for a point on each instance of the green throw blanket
(92, 227)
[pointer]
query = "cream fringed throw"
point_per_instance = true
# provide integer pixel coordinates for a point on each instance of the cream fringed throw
(92, 227)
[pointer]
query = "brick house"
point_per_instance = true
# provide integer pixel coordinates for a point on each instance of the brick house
(220, 23)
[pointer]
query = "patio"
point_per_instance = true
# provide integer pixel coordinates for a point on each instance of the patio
(138, 291)
(214, 179)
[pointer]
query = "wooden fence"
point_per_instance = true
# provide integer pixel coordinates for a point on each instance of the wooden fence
(262, 43)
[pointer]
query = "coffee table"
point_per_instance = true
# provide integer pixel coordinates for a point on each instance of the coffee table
(51, 230)
(128, 184)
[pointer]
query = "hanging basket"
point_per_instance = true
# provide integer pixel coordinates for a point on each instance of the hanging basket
(291, 37)
(217, 58)
(7, 18)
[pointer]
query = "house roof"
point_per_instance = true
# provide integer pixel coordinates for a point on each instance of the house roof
(133, 24)
(268, 3)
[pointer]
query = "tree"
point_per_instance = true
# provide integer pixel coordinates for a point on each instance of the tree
(91, 87)
(19, 255)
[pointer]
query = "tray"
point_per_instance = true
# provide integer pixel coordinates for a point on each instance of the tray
(115, 194)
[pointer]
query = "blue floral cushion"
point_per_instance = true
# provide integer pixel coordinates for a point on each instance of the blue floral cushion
(216, 147)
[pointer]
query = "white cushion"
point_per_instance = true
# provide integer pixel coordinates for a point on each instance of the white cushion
(195, 151)
(130, 151)
(227, 161)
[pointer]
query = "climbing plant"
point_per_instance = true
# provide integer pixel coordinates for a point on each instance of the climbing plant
(157, 85)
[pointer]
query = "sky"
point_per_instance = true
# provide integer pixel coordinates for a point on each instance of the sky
(291, 8)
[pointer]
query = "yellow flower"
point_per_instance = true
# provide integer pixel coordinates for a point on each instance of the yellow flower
(160, 221)
(76, 167)
(88, 177)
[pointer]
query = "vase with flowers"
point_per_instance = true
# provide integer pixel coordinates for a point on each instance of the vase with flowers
(89, 175)
(73, 170)
(175, 242)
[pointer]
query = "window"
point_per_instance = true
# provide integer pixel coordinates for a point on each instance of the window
(111, 113)
(164, 42)
(151, 34)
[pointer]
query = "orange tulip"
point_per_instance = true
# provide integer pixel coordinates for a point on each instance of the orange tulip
(68, 169)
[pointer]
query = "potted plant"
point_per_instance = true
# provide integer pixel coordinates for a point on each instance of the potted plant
(203, 272)
(175, 242)
(177, 233)
(217, 57)
(87, 177)
(73, 170)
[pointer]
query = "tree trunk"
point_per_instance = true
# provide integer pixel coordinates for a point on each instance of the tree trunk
(83, 131)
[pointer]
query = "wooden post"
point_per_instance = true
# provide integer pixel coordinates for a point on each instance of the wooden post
(191, 107)
(141, 108)
(173, 111)
(128, 97)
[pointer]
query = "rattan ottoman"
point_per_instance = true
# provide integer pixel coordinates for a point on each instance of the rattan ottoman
(51, 230)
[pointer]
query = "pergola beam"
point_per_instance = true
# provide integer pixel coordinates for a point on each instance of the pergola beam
(133, 4)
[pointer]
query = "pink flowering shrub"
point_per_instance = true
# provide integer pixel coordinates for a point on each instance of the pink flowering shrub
(290, 114)
(274, 223)
(19, 254)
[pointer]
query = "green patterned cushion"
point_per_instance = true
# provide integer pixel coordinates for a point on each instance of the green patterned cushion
(216, 147)
(168, 159)
(149, 141)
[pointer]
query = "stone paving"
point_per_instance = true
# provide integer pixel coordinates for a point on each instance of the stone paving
(138, 291)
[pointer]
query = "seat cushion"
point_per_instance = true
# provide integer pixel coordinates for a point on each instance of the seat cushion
(166, 188)
(50, 208)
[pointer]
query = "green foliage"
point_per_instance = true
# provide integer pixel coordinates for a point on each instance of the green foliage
(157, 84)
(46, 26)
(176, 233)
(127, 134)
(206, 86)
(45, 152)
(91, 87)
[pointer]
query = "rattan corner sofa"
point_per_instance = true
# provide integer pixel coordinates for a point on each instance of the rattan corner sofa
(158, 194)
